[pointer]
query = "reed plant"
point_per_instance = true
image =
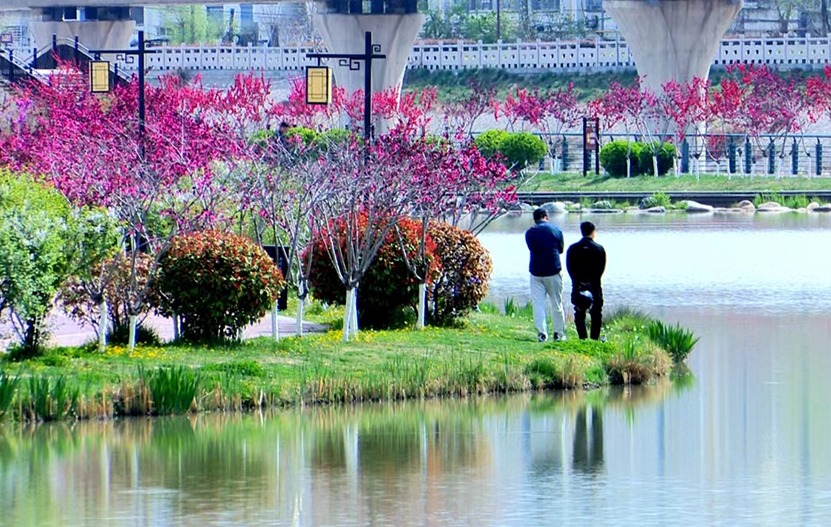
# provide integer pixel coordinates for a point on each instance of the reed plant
(512, 309)
(636, 362)
(554, 372)
(677, 341)
(49, 399)
(173, 388)
(8, 388)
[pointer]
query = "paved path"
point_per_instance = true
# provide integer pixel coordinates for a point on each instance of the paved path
(66, 332)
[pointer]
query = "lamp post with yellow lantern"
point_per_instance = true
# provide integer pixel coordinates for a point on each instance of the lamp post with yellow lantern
(99, 72)
(319, 78)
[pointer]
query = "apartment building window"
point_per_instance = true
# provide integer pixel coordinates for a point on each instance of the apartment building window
(545, 5)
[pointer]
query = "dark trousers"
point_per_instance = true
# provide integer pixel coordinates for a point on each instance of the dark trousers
(596, 311)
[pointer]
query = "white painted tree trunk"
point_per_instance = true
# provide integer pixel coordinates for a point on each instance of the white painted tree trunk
(354, 318)
(655, 164)
(275, 323)
(422, 305)
(347, 315)
(779, 168)
(131, 343)
(102, 325)
(300, 306)
(176, 331)
(628, 165)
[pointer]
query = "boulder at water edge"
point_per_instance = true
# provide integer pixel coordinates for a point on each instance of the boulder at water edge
(772, 206)
(746, 205)
(696, 207)
(554, 207)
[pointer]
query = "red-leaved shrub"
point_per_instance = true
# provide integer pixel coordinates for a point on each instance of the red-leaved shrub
(217, 283)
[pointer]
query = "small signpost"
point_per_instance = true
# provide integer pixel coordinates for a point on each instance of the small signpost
(591, 143)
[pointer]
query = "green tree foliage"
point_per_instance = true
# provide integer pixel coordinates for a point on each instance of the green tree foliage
(464, 273)
(190, 25)
(36, 233)
(217, 283)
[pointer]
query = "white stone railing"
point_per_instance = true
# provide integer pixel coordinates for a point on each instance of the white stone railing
(576, 56)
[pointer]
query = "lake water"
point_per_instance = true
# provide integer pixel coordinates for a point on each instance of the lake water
(744, 443)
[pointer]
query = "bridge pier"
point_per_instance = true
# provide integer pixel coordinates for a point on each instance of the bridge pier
(672, 39)
(394, 33)
(96, 28)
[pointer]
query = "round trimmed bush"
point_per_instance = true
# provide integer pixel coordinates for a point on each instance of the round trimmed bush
(613, 157)
(522, 149)
(463, 277)
(217, 283)
(666, 156)
(489, 142)
(306, 135)
(388, 292)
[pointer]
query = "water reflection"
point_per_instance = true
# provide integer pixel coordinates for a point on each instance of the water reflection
(425, 462)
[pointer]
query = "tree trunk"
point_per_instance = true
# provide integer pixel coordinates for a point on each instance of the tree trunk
(131, 345)
(176, 330)
(300, 306)
(347, 315)
(422, 305)
(655, 164)
(275, 325)
(102, 325)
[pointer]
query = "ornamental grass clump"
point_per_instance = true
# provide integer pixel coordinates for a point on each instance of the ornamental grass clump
(48, 400)
(8, 386)
(173, 389)
(677, 341)
(637, 362)
(217, 283)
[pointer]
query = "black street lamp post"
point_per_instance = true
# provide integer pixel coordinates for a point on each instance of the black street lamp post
(353, 62)
(127, 55)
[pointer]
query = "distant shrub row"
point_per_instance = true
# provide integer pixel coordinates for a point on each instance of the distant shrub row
(615, 154)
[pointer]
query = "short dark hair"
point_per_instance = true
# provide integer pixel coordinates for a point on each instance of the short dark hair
(284, 124)
(539, 214)
(586, 228)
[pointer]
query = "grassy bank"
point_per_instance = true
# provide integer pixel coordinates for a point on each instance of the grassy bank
(574, 181)
(491, 353)
(453, 85)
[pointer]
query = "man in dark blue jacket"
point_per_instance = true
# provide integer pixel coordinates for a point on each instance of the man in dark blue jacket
(586, 261)
(545, 242)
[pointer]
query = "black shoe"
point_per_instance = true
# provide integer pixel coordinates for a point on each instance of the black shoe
(559, 338)
(542, 337)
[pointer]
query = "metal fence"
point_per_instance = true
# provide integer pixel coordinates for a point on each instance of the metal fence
(730, 155)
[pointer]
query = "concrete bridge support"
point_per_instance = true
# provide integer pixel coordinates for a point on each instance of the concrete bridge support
(96, 28)
(672, 39)
(111, 34)
(394, 33)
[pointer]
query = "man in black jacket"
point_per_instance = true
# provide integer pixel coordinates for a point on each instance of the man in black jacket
(586, 261)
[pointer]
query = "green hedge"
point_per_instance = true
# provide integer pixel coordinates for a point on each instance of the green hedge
(613, 158)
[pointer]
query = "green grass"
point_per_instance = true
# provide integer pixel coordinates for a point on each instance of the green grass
(546, 182)
(488, 353)
(454, 85)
